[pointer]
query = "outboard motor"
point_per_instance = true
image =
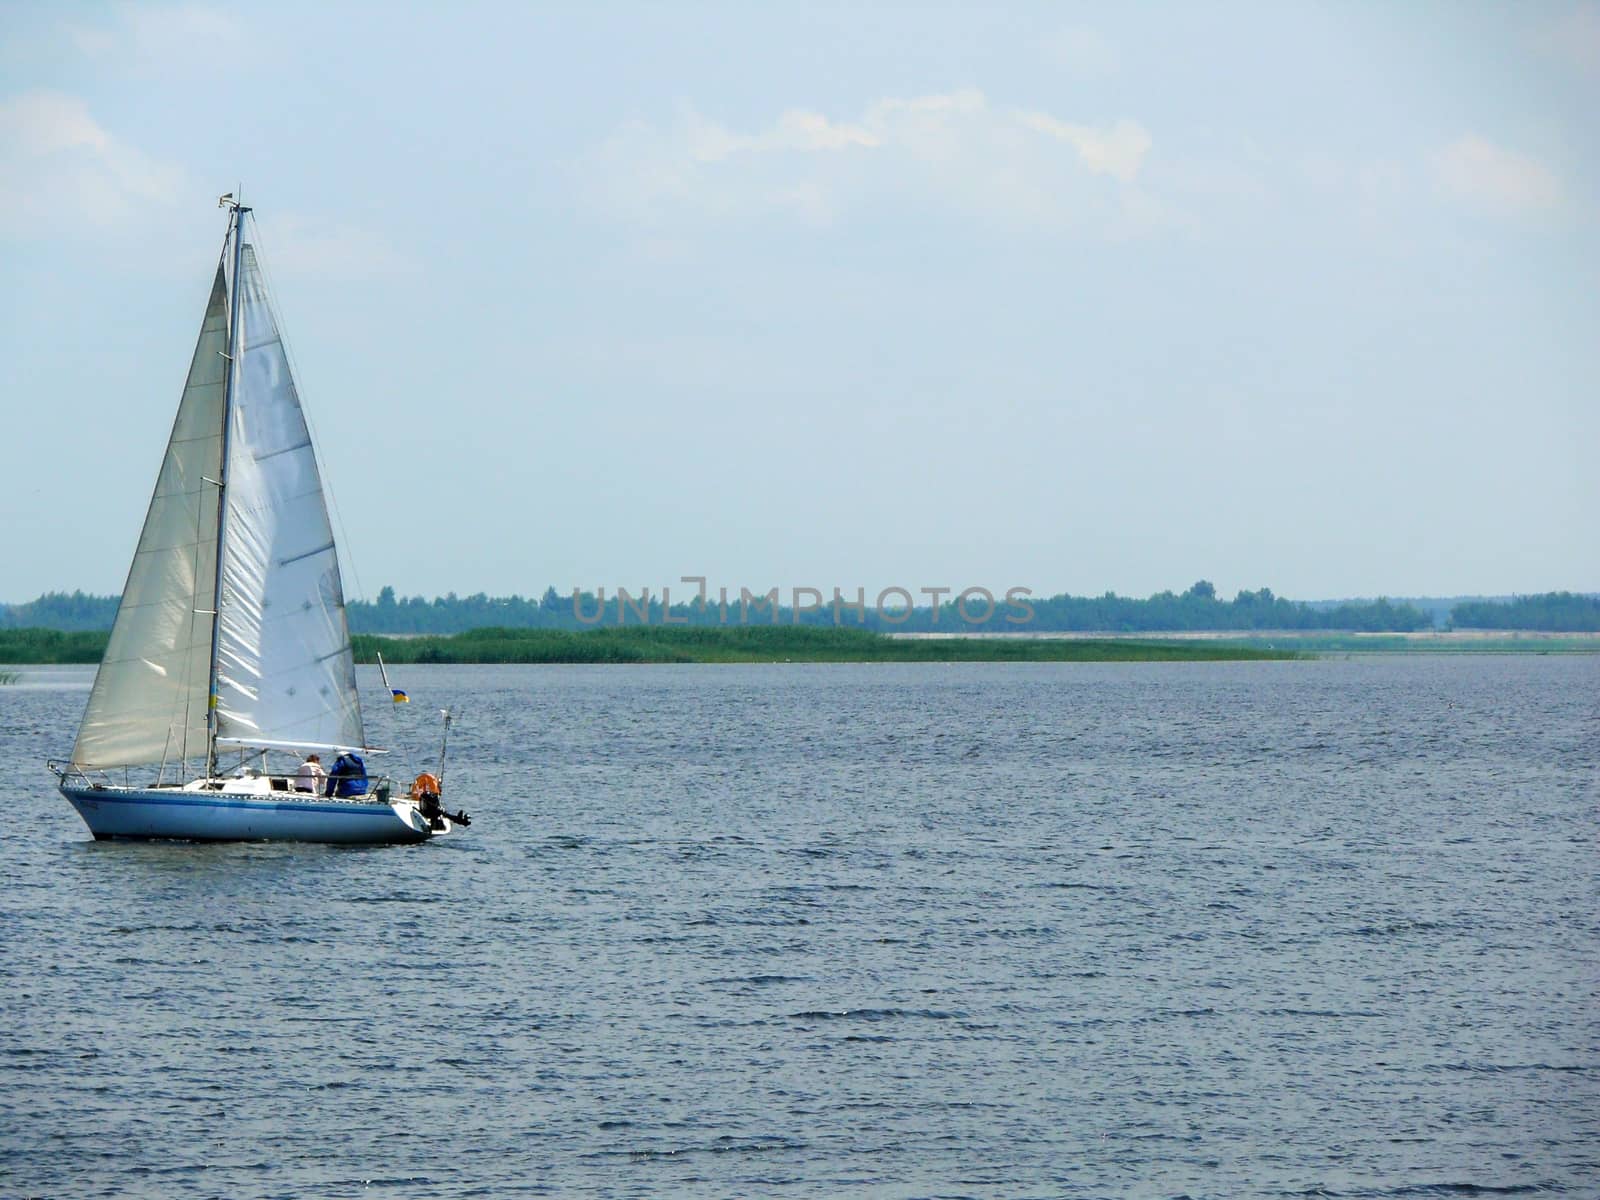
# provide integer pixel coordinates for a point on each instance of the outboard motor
(425, 794)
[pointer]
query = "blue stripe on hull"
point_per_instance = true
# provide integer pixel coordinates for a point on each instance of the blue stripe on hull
(136, 813)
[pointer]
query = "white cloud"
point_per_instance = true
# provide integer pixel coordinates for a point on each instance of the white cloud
(304, 246)
(1494, 178)
(796, 130)
(150, 37)
(957, 149)
(1081, 52)
(41, 123)
(59, 166)
(1117, 151)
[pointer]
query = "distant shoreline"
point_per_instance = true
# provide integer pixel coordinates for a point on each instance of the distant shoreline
(1312, 643)
(1197, 612)
(811, 644)
(653, 644)
(779, 643)
(1459, 637)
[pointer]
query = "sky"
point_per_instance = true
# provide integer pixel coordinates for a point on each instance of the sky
(1067, 297)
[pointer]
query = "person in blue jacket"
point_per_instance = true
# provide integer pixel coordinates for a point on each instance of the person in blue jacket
(348, 777)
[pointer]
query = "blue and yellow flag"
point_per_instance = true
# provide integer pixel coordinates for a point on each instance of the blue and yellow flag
(399, 696)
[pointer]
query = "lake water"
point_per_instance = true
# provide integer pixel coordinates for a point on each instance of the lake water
(1226, 930)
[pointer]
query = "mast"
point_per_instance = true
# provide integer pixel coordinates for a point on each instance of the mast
(232, 355)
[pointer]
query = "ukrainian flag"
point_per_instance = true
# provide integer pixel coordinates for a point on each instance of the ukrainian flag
(399, 696)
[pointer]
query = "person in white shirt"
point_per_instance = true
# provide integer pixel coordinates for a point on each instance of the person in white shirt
(310, 775)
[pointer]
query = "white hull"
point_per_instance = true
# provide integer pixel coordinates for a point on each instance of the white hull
(231, 814)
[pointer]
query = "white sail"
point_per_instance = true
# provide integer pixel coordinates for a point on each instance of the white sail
(285, 672)
(148, 703)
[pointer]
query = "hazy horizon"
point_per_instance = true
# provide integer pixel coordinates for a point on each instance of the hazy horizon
(681, 593)
(1068, 297)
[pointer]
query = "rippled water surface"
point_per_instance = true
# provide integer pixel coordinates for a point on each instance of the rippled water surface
(1268, 929)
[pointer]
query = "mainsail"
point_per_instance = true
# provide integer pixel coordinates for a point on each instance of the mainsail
(148, 703)
(283, 671)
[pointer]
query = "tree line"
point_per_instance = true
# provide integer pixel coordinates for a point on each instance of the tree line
(1552, 612)
(1198, 608)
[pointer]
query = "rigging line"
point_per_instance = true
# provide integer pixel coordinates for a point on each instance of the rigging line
(343, 533)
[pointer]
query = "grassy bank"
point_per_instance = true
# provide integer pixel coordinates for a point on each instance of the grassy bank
(656, 644)
(788, 643)
(1475, 642)
(38, 647)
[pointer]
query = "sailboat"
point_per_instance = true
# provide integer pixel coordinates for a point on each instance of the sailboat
(231, 644)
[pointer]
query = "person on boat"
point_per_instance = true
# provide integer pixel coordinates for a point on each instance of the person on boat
(310, 775)
(348, 777)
